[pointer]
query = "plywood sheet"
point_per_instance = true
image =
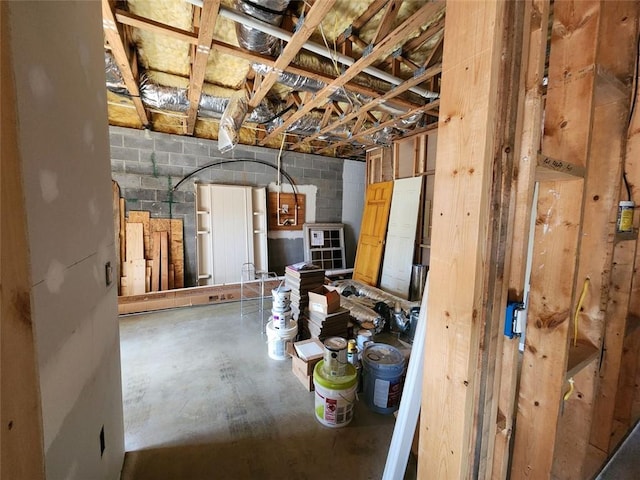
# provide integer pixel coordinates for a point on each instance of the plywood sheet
(135, 241)
(143, 217)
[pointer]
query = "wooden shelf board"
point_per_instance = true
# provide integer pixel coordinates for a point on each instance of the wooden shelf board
(550, 169)
(580, 357)
(622, 236)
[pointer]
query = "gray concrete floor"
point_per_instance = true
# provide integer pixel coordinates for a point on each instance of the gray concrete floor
(203, 400)
(625, 462)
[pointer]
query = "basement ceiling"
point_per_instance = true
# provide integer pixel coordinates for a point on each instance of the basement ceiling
(333, 77)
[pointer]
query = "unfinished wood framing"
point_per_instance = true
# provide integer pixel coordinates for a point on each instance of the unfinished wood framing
(313, 17)
(534, 45)
(379, 50)
(573, 240)
(379, 165)
(462, 239)
(208, 18)
(114, 38)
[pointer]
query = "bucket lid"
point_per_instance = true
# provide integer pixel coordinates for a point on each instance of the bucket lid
(348, 380)
(381, 356)
(335, 344)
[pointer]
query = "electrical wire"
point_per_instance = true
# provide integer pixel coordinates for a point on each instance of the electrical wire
(224, 161)
(585, 286)
(632, 110)
(570, 391)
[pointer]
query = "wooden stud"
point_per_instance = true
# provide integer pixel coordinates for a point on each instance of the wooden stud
(164, 261)
(461, 241)
(534, 51)
(155, 259)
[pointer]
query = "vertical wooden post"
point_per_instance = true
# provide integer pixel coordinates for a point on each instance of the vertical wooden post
(573, 244)
(20, 410)
(532, 104)
(466, 234)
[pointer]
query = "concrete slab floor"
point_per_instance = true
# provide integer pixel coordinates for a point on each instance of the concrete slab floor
(203, 400)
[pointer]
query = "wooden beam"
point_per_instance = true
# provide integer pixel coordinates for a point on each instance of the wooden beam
(389, 123)
(137, 21)
(375, 102)
(312, 19)
(507, 138)
(531, 106)
(386, 22)
(368, 14)
(552, 435)
(208, 18)
(21, 454)
(463, 244)
(378, 51)
(114, 38)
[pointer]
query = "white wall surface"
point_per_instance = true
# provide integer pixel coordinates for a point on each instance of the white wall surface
(63, 140)
(353, 192)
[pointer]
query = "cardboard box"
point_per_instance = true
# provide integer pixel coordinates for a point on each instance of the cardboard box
(323, 300)
(302, 368)
(306, 380)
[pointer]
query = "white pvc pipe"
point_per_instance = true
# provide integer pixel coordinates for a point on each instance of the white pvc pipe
(311, 46)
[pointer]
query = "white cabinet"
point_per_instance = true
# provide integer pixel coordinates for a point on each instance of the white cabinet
(231, 231)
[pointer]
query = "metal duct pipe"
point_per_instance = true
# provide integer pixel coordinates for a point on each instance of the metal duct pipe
(269, 11)
(115, 82)
(300, 82)
(312, 47)
(231, 121)
(175, 99)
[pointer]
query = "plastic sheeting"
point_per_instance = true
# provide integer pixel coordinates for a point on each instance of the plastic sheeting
(269, 11)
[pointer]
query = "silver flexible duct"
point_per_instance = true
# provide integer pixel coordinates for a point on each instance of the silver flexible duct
(115, 82)
(231, 121)
(269, 11)
(173, 99)
(300, 82)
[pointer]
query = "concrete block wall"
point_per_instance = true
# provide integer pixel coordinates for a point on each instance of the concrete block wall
(147, 165)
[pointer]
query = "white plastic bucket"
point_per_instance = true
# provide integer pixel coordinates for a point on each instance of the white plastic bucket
(281, 319)
(281, 297)
(334, 396)
(277, 339)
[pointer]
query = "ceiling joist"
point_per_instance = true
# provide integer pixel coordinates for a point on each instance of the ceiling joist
(391, 41)
(208, 19)
(416, 80)
(114, 38)
(314, 16)
(137, 21)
